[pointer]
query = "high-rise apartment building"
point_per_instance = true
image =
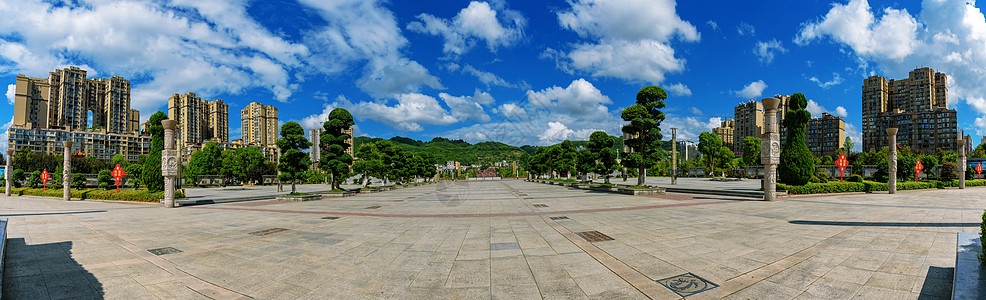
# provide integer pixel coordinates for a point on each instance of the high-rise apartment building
(315, 152)
(133, 122)
(259, 124)
(917, 105)
(198, 121)
(67, 99)
(725, 132)
(748, 119)
(825, 135)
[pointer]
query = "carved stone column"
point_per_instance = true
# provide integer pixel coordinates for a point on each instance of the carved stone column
(962, 163)
(770, 148)
(279, 188)
(9, 172)
(67, 171)
(892, 160)
(674, 156)
(169, 162)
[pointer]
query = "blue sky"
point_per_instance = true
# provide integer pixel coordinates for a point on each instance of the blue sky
(519, 72)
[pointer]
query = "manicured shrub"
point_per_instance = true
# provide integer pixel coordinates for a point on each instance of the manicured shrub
(855, 178)
(797, 164)
(35, 180)
(105, 180)
(815, 179)
(939, 184)
(18, 176)
(948, 171)
(78, 181)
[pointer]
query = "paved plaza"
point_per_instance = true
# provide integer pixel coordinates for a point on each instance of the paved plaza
(492, 239)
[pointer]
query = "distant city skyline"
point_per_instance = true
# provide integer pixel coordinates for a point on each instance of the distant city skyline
(510, 71)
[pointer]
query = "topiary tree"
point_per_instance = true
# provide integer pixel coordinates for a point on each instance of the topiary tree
(751, 151)
(949, 171)
(797, 164)
(585, 163)
(17, 177)
(643, 131)
(151, 175)
(293, 162)
(335, 160)
(78, 181)
(35, 180)
(105, 180)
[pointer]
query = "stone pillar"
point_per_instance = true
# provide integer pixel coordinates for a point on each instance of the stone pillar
(674, 156)
(962, 163)
(770, 148)
(279, 187)
(67, 171)
(892, 160)
(9, 172)
(169, 162)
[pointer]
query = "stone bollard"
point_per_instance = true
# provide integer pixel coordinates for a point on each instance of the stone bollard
(962, 163)
(67, 171)
(770, 148)
(9, 172)
(892, 160)
(169, 162)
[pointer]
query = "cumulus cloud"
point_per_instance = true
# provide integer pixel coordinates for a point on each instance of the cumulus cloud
(836, 80)
(841, 111)
(207, 47)
(487, 78)
(745, 28)
(688, 127)
(478, 21)
(855, 135)
(630, 39)
(767, 50)
(817, 109)
(679, 89)
(468, 108)
(11, 89)
(5, 136)
(752, 90)
(410, 111)
(980, 124)
(580, 99)
(892, 35)
(713, 24)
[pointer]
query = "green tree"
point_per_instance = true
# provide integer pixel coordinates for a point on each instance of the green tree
(105, 180)
(35, 180)
(849, 145)
(724, 158)
(708, 145)
(797, 164)
(370, 162)
(929, 162)
(293, 162)
(17, 176)
(230, 167)
(585, 163)
(151, 175)
(133, 172)
(121, 160)
(563, 158)
(206, 161)
(335, 161)
(78, 181)
(252, 165)
(601, 144)
(751, 151)
(644, 130)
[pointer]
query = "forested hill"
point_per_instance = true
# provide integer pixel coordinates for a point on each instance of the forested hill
(457, 150)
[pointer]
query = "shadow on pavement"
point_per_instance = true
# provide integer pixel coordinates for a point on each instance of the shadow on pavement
(46, 271)
(53, 213)
(883, 224)
(938, 284)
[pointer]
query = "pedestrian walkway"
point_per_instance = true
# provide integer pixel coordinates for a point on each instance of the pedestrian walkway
(492, 239)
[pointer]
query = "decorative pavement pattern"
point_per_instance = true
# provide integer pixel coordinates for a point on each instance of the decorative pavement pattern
(483, 240)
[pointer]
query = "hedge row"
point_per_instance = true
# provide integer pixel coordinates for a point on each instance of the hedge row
(870, 186)
(97, 194)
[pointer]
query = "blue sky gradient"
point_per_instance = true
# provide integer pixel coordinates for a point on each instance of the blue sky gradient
(518, 72)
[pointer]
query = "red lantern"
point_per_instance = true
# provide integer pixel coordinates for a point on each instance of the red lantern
(917, 170)
(842, 163)
(44, 179)
(118, 174)
(979, 170)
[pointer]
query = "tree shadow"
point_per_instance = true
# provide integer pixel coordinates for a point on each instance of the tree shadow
(882, 224)
(46, 271)
(938, 284)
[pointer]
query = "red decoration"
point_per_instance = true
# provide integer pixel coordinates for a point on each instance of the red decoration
(44, 179)
(842, 163)
(979, 170)
(118, 174)
(917, 170)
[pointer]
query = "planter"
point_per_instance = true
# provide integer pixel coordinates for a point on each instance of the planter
(340, 194)
(601, 188)
(298, 198)
(627, 191)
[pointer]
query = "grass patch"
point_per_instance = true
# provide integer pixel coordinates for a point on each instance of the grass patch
(640, 187)
(299, 194)
(338, 191)
(871, 186)
(607, 184)
(99, 194)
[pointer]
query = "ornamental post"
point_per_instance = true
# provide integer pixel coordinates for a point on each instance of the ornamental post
(892, 160)
(770, 146)
(674, 155)
(9, 172)
(169, 162)
(67, 171)
(962, 163)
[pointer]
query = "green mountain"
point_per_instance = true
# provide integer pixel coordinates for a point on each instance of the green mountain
(456, 150)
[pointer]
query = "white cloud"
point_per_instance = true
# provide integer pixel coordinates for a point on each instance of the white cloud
(767, 50)
(556, 132)
(746, 29)
(980, 124)
(468, 108)
(408, 114)
(752, 90)
(384, 77)
(857, 137)
(477, 21)
(713, 24)
(679, 89)
(696, 111)
(580, 99)
(206, 47)
(836, 80)
(817, 109)
(893, 35)
(841, 111)
(487, 78)
(5, 136)
(11, 89)
(630, 38)
(688, 127)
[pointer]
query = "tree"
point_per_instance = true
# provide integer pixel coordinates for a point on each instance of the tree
(708, 145)
(230, 167)
(252, 166)
(151, 176)
(17, 177)
(601, 144)
(751, 151)
(206, 161)
(929, 162)
(293, 162)
(370, 162)
(644, 130)
(133, 171)
(949, 171)
(849, 145)
(35, 180)
(797, 164)
(563, 158)
(979, 152)
(585, 163)
(335, 160)
(105, 180)
(724, 158)
(121, 160)
(78, 181)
